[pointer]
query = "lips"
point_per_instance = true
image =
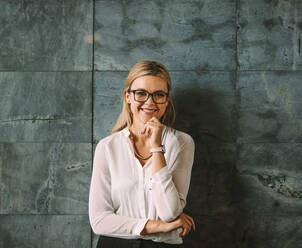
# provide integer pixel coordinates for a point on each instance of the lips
(149, 111)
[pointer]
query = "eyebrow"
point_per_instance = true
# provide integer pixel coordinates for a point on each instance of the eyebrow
(150, 92)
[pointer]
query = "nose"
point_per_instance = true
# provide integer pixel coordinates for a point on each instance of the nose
(150, 100)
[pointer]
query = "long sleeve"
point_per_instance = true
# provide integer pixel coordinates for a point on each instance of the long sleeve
(102, 215)
(170, 186)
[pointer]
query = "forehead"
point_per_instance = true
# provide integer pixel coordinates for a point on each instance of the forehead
(150, 83)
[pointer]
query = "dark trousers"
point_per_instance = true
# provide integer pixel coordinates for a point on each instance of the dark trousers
(113, 242)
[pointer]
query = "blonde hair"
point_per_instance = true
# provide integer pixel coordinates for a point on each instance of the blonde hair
(140, 69)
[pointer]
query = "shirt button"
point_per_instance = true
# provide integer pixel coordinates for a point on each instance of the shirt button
(150, 178)
(150, 189)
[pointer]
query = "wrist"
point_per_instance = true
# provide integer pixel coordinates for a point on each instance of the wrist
(157, 144)
(162, 226)
(154, 226)
(160, 148)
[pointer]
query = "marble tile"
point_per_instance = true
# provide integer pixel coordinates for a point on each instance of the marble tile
(212, 176)
(182, 34)
(270, 107)
(267, 194)
(269, 178)
(39, 178)
(45, 231)
(108, 91)
(269, 35)
(45, 106)
(269, 231)
(46, 35)
(212, 231)
(205, 104)
(245, 231)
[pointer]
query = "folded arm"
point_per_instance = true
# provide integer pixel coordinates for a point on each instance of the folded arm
(170, 186)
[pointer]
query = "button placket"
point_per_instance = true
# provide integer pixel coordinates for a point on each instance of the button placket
(150, 183)
(141, 192)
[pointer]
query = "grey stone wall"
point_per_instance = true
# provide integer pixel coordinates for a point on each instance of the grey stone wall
(236, 70)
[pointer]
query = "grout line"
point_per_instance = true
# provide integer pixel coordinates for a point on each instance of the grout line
(208, 143)
(92, 97)
(237, 99)
(41, 214)
(44, 71)
(189, 70)
(89, 142)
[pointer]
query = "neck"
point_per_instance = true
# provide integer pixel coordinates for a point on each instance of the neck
(136, 129)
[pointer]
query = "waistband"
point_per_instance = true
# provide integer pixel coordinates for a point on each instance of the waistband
(133, 243)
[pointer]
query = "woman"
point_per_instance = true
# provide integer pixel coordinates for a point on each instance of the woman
(141, 172)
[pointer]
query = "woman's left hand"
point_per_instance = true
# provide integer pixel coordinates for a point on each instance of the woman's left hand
(153, 130)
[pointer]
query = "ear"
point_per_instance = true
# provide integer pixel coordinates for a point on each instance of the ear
(127, 96)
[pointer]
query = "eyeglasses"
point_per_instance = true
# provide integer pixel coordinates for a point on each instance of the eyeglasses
(158, 97)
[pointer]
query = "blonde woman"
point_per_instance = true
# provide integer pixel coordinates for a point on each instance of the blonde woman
(142, 171)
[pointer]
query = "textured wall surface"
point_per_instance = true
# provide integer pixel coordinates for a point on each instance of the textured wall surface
(236, 68)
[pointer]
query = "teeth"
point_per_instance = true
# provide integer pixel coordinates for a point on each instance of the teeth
(149, 111)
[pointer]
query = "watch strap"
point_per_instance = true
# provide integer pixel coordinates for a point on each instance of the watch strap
(158, 149)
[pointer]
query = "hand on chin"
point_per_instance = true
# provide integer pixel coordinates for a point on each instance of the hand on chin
(146, 118)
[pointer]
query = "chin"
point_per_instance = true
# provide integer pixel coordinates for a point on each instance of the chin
(145, 119)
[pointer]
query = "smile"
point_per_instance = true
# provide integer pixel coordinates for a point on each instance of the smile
(149, 110)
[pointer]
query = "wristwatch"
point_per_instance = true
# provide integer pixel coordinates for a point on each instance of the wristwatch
(158, 149)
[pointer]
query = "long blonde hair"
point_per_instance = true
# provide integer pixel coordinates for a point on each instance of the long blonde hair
(140, 69)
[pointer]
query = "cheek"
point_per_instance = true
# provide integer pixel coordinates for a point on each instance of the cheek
(135, 107)
(162, 110)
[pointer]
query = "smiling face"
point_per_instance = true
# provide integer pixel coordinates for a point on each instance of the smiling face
(143, 111)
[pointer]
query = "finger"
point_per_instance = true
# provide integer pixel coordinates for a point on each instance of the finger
(182, 232)
(144, 130)
(187, 220)
(190, 219)
(151, 126)
(154, 119)
(186, 231)
(192, 222)
(155, 125)
(187, 228)
(150, 122)
(194, 227)
(147, 128)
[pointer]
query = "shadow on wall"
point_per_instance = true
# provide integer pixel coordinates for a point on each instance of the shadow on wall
(209, 117)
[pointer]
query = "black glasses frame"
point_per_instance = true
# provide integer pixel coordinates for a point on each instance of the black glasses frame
(150, 94)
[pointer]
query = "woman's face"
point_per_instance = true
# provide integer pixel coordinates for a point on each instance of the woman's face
(143, 111)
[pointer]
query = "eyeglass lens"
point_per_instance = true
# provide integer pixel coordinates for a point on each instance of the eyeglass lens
(158, 96)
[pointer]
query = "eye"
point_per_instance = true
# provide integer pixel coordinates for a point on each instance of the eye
(159, 94)
(141, 93)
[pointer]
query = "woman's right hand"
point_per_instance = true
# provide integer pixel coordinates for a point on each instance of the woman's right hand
(183, 220)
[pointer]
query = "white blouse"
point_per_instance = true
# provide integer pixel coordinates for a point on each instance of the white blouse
(124, 194)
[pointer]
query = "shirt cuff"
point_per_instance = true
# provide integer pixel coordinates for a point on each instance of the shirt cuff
(161, 175)
(140, 226)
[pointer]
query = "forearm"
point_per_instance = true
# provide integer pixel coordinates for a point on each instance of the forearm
(154, 226)
(158, 161)
(164, 193)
